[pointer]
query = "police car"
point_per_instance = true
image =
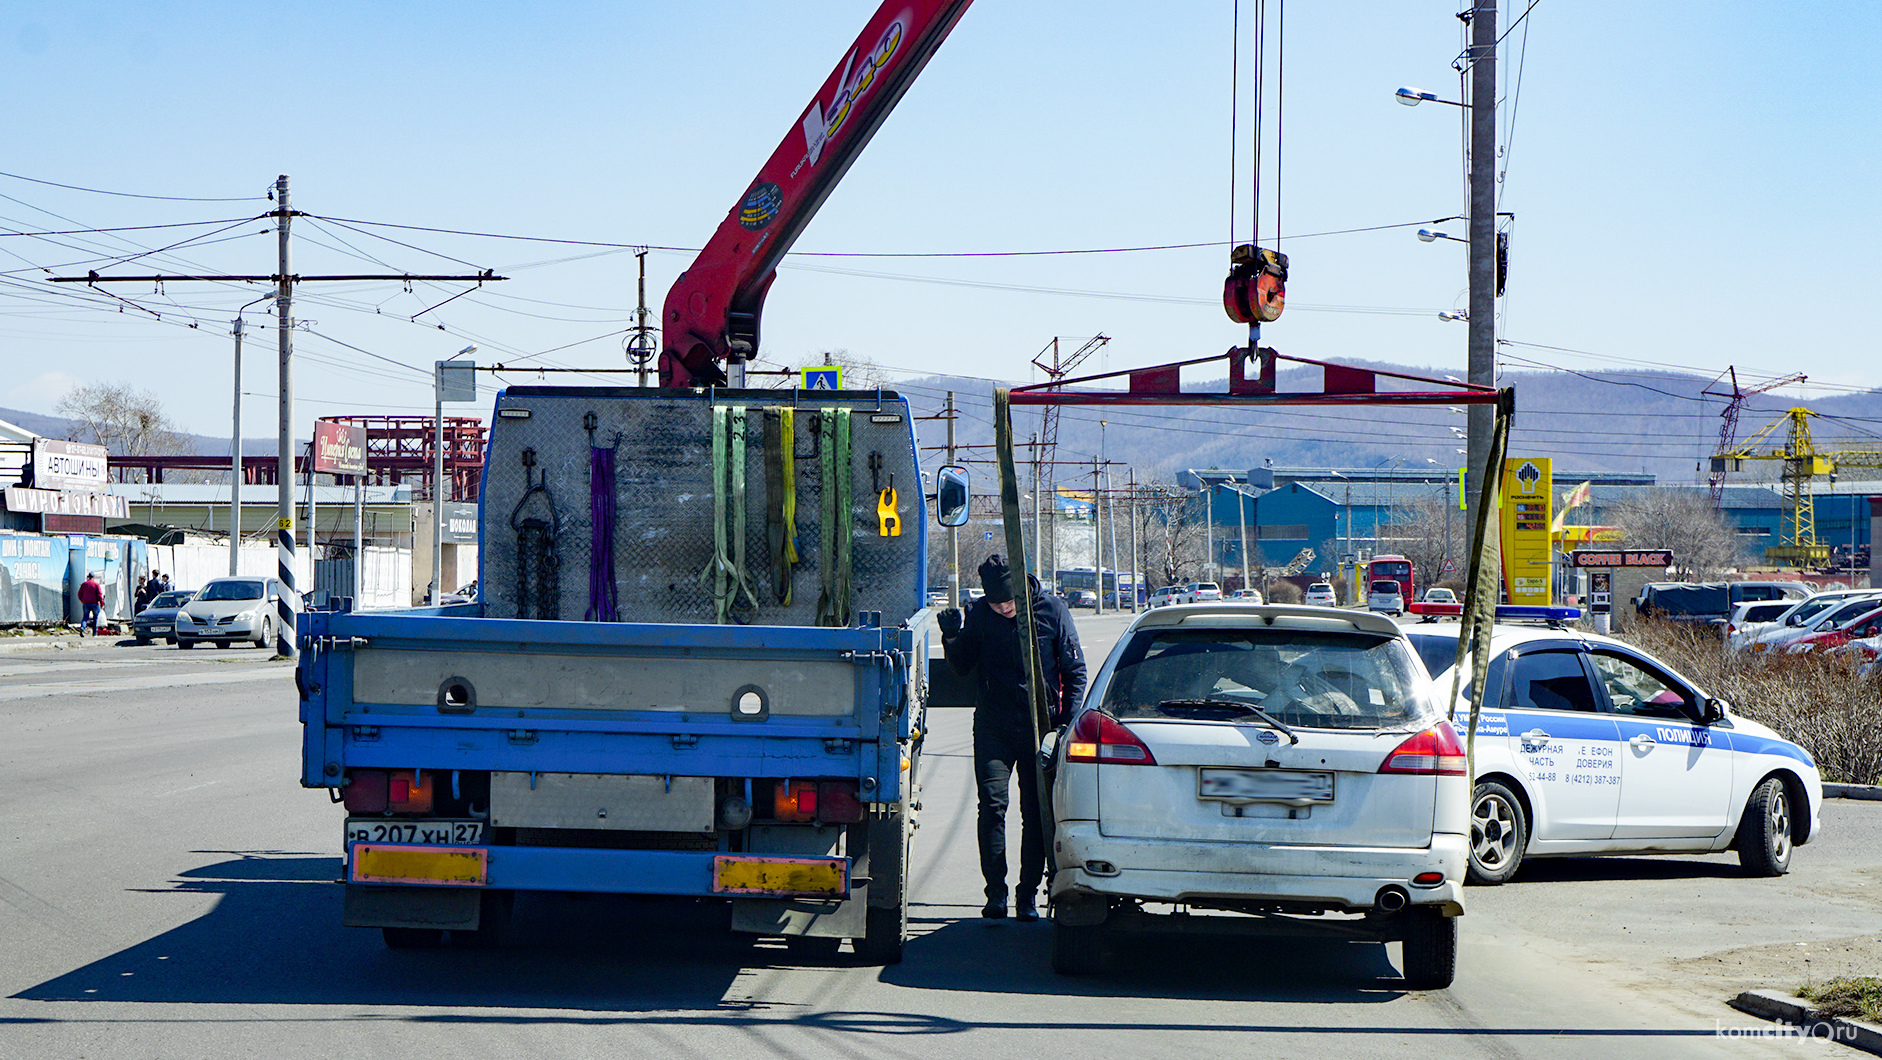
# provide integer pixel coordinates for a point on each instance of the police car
(1587, 745)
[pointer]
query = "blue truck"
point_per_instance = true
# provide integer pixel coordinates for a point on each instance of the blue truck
(697, 666)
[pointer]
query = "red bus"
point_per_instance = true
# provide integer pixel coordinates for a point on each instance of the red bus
(1390, 568)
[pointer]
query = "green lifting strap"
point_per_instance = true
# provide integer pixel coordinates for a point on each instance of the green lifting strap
(833, 607)
(725, 575)
(781, 498)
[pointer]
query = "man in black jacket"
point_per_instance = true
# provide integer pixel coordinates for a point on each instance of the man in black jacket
(987, 644)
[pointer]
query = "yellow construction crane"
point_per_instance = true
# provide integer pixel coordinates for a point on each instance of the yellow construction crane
(1803, 462)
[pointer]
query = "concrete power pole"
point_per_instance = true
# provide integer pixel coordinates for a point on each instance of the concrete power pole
(1482, 357)
(286, 608)
(954, 534)
(235, 464)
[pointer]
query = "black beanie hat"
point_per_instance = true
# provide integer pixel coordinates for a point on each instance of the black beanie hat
(997, 579)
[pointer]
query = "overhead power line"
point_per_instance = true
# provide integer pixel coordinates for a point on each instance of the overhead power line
(131, 194)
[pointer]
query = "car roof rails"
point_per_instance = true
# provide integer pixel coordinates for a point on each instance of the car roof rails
(1553, 617)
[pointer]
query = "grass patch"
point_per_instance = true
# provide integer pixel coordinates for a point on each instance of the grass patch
(1848, 996)
(1821, 702)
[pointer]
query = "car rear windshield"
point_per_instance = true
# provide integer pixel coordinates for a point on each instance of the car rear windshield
(1384, 587)
(1437, 650)
(231, 591)
(176, 599)
(1321, 679)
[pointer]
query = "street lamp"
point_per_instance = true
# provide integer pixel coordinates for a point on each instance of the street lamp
(1411, 97)
(1442, 315)
(1426, 235)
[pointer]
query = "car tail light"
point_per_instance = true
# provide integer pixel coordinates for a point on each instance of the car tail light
(837, 802)
(408, 791)
(365, 791)
(1435, 751)
(794, 800)
(1098, 737)
(1427, 879)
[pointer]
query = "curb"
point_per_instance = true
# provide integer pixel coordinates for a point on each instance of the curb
(1780, 1007)
(58, 641)
(1869, 792)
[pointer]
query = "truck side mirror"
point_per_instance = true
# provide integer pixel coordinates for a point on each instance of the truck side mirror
(951, 489)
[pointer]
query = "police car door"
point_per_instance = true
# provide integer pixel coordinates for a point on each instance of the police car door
(1676, 781)
(1560, 742)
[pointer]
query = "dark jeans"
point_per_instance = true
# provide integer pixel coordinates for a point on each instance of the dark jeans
(997, 756)
(91, 618)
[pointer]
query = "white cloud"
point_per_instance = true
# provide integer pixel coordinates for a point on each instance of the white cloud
(42, 392)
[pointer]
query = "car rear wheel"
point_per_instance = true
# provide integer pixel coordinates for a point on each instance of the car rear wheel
(1764, 832)
(1498, 834)
(1430, 950)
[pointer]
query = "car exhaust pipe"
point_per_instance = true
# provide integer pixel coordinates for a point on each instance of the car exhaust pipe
(1390, 899)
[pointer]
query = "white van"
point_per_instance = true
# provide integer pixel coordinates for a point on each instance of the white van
(1386, 596)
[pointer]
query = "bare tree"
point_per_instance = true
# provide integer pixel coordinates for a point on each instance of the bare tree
(1421, 530)
(122, 418)
(1703, 544)
(1170, 535)
(859, 372)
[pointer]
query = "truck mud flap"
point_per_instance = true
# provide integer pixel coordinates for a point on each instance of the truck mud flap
(800, 916)
(451, 909)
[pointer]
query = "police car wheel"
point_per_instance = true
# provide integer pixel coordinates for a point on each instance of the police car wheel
(1498, 835)
(1764, 832)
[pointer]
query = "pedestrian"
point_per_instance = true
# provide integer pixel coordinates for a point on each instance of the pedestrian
(163, 580)
(986, 644)
(92, 595)
(141, 598)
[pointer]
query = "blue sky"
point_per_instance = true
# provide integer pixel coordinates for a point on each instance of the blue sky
(1694, 184)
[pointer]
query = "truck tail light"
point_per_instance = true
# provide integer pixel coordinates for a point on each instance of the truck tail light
(1434, 752)
(795, 800)
(1098, 737)
(408, 791)
(837, 802)
(365, 791)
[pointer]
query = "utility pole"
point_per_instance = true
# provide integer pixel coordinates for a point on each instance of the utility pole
(954, 537)
(288, 605)
(284, 281)
(235, 463)
(1482, 352)
(1241, 509)
(641, 346)
(1097, 537)
(1135, 551)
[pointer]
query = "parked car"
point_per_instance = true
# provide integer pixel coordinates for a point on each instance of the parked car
(158, 618)
(226, 610)
(1586, 745)
(1320, 593)
(1246, 596)
(1233, 759)
(1081, 598)
(1709, 603)
(1199, 592)
(1163, 597)
(1387, 596)
(938, 599)
(1780, 635)
(1751, 618)
(1862, 627)
(1440, 596)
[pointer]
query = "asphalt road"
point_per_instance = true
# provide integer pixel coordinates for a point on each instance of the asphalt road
(165, 891)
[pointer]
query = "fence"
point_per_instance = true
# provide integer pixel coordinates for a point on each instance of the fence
(387, 581)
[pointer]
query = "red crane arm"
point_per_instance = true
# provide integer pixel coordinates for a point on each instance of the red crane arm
(711, 314)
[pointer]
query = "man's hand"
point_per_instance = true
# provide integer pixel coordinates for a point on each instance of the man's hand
(950, 621)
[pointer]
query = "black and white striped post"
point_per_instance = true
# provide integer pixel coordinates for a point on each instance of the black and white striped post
(286, 608)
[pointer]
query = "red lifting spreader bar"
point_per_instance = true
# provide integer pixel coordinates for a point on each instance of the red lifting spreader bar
(1341, 385)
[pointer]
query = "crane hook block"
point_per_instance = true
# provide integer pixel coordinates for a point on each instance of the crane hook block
(1256, 290)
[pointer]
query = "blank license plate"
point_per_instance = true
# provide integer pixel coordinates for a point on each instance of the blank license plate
(160, 629)
(1266, 785)
(732, 874)
(425, 833)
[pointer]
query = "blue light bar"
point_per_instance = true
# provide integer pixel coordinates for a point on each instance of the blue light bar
(1535, 613)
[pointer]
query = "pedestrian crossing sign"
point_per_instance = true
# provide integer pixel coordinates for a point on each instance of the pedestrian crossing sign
(822, 377)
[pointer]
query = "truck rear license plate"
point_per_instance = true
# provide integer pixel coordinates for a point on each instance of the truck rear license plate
(446, 866)
(782, 877)
(1266, 785)
(424, 833)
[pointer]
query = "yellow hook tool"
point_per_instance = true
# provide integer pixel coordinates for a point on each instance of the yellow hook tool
(889, 519)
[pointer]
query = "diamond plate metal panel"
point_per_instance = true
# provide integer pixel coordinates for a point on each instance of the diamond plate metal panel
(663, 534)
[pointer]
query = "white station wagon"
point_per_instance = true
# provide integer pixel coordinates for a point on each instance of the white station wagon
(1291, 764)
(1587, 745)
